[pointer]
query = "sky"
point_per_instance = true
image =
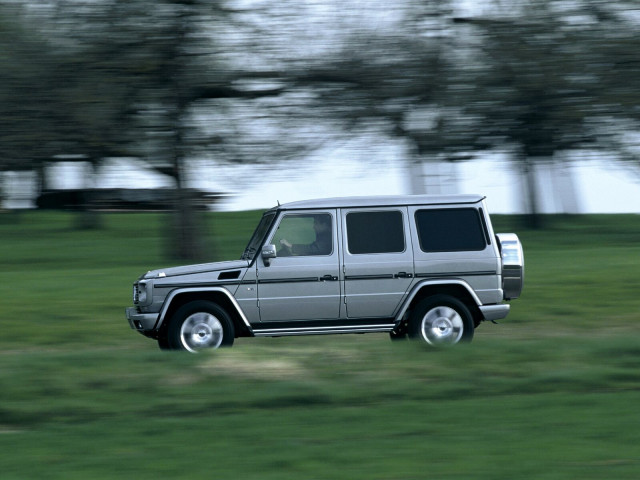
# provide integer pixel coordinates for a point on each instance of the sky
(599, 186)
(357, 169)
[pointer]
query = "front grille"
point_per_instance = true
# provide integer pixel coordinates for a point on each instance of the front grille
(136, 293)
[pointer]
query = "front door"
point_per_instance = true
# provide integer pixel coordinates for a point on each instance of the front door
(302, 282)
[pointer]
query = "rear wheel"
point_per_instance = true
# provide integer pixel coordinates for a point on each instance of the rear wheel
(200, 325)
(441, 320)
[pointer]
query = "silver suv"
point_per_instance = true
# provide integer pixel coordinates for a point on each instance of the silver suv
(424, 267)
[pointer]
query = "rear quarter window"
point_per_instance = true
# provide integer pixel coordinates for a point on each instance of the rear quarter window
(450, 230)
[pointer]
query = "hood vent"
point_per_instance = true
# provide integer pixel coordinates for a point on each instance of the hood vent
(230, 275)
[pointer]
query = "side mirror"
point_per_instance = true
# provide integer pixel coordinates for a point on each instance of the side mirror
(268, 252)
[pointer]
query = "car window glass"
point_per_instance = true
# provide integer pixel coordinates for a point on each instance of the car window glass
(257, 237)
(307, 234)
(375, 232)
(450, 230)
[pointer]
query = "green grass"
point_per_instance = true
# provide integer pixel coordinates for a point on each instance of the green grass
(550, 393)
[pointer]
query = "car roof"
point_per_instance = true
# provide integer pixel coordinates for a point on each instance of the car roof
(381, 201)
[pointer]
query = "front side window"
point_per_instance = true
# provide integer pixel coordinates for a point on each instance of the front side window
(304, 234)
(450, 230)
(375, 232)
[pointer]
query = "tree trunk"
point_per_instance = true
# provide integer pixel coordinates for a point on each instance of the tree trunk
(564, 188)
(88, 217)
(532, 215)
(415, 172)
(187, 237)
(434, 176)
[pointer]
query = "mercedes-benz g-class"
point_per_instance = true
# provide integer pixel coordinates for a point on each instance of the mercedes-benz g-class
(425, 267)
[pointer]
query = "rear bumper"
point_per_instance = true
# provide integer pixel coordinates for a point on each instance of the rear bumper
(141, 321)
(495, 312)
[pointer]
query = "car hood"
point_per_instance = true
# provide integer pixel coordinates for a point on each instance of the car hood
(200, 268)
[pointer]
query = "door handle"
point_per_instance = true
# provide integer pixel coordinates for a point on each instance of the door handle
(404, 275)
(328, 278)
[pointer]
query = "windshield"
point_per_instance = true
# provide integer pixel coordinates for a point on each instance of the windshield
(258, 236)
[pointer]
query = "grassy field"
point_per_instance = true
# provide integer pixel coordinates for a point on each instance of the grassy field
(550, 393)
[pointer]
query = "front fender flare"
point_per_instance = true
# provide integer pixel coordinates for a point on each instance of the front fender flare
(179, 291)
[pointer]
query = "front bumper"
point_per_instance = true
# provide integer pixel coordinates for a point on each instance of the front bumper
(141, 321)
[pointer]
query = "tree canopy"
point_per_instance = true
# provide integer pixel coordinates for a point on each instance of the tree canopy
(172, 80)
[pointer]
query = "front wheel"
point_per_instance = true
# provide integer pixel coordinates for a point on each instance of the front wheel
(199, 325)
(441, 320)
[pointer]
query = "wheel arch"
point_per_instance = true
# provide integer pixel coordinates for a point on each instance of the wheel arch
(453, 287)
(217, 295)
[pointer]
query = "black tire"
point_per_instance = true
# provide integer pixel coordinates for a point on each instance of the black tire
(200, 325)
(441, 320)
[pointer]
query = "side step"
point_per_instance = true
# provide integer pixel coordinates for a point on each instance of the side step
(322, 330)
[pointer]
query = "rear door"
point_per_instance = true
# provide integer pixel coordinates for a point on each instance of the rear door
(378, 260)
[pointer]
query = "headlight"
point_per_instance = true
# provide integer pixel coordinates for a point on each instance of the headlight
(140, 293)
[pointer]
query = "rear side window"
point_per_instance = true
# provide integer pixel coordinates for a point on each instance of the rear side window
(375, 232)
(450, 230)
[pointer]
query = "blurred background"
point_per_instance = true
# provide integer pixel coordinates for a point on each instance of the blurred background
(239, 104)
(135, 134)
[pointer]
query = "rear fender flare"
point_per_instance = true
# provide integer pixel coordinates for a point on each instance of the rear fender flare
(434, 283)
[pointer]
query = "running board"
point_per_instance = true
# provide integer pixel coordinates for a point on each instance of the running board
(281, 332)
